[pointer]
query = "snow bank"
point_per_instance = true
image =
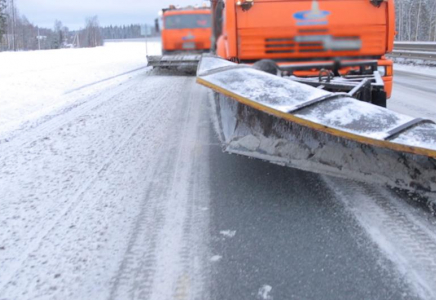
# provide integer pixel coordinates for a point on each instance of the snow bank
(34, 83)
(427, 70)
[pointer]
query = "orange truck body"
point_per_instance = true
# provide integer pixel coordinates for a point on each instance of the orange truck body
(303, 31)
(186, 30)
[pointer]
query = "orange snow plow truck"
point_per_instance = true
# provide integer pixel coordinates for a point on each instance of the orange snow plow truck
(326, 39)
(301, 83)
(186, 33)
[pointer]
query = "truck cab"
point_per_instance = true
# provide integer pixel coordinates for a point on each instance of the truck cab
(186, 30)
(302, 34)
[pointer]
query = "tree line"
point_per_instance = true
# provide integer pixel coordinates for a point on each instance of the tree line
(416, 20)
(127, 32)
(17, 33)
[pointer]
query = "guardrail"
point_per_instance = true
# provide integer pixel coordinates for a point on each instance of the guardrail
(415, 50)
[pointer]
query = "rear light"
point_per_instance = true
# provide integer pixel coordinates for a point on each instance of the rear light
(389, 70)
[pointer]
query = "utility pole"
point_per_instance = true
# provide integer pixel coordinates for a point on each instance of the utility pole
(39, 40)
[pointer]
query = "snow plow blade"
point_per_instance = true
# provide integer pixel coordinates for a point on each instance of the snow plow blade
(174, 61)
(288, 123)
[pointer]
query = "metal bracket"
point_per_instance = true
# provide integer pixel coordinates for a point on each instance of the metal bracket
(317, 100)
(359, 87)
(327, 74)
(392, 134)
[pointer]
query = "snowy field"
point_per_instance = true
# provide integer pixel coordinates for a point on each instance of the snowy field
(34, 83)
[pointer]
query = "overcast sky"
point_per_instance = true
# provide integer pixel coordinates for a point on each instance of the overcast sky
(72, 13)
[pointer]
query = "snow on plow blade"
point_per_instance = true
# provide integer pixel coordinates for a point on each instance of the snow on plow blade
(292, 124)
(173, 61)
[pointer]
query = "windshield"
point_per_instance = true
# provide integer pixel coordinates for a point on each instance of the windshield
(188, 21)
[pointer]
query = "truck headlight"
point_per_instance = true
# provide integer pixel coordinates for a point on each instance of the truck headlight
(382, 70)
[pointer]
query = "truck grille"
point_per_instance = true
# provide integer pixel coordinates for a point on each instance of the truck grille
(309, 42)
(312, 44)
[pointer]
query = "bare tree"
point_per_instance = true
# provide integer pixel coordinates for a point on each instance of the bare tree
(418, 19)
(3, 18)
(58, 40)
(13, 24)
(64, 34)
(399, 13)
(18, 33)
(431, 24)
(91, 35)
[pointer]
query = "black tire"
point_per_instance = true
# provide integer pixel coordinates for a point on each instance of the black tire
(379, 98)
(268, 66)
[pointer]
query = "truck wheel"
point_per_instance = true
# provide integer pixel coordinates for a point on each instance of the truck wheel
(379, 98)
(268, 66)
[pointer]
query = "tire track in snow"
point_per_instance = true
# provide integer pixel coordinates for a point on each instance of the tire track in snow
(84, 279)
(174, 274)
(162, 260)
(408, 240)
(138, 263)
(32, 131)
(106, 79)
(195, 254)
(40, 232)
(71, 151)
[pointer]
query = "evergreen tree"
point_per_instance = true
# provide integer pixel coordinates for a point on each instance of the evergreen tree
(122, 32)
(58, 39)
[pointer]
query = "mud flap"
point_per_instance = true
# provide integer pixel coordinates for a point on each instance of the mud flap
(292, 124)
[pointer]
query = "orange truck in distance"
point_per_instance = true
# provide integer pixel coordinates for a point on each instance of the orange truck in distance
(346, 38)
(186, 33)
(186, 30)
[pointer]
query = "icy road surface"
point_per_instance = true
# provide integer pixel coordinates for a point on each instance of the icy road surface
(414, 94)
(121, 191)
(108, 200)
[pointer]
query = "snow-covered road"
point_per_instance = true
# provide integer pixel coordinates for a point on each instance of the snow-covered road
(101, 203)
(118, 189)
(414, 94)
